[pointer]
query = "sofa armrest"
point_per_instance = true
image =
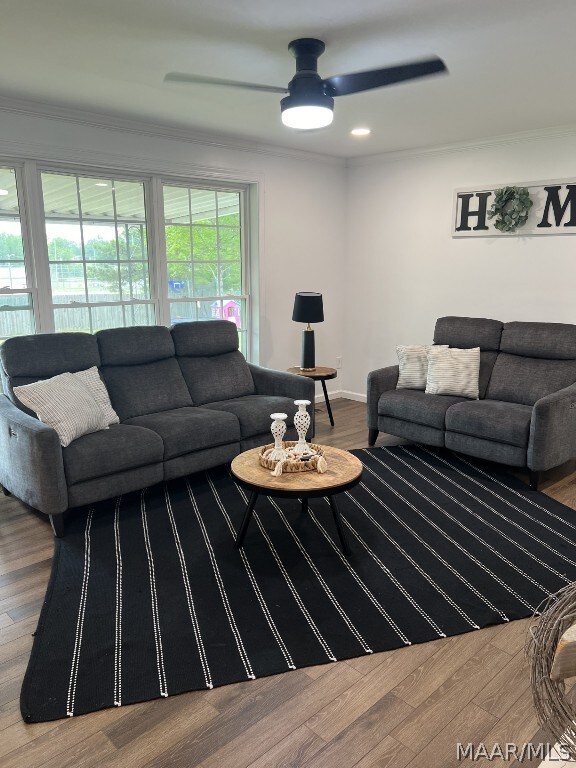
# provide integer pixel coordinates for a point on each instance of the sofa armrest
(31, 464)
(379, 381)
(270, 382)
(553, 430)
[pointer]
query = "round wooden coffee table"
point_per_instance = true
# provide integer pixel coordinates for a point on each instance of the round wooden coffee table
(344, 472)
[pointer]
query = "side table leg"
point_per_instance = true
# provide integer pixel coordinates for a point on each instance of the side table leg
(337, 522)
(327, 402)
(246, 520)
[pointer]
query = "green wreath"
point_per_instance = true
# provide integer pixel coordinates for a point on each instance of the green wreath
(510, 207)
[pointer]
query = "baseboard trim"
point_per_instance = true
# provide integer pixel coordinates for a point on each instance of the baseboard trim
(331, 396)
(342, 393)
(359, 397)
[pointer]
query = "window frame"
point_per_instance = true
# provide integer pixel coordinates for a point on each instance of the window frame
(30, 289)
(35, 244)
(245, 251)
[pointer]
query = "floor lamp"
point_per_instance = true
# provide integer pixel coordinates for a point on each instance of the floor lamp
(308, 309)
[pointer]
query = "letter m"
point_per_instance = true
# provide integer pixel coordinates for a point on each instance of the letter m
(558, 208)
(464, 752)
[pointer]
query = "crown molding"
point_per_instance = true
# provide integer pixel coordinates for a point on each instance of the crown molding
(112, 122)
(49, 154)
(542, 134)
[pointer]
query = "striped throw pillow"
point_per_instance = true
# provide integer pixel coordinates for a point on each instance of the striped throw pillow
(96, 387)
(64, 403)
(453, 371)
(412, 365)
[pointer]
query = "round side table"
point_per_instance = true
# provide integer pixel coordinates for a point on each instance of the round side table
(343, 473)
(322, 375)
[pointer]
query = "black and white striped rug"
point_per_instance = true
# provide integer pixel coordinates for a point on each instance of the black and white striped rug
(149, 598)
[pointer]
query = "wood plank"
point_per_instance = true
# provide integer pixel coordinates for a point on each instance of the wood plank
(83, 753)
(512, 637)
(353, 702)
(452, 653)
(470, 725)
(16, 647)
(389, 753)
(250, 743)
(42, 566)
(16, 630)
(517, 728)
(296, 749)
(361, 736)
(506, 687)
(5, 620)
(438, 709)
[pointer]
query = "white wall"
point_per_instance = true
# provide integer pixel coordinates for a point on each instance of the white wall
(403, 268)
(302, 199)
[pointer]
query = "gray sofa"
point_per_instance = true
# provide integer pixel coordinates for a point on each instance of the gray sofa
(526, 414)
(186, 397)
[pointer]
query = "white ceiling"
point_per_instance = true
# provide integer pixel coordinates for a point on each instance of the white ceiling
(512, 64)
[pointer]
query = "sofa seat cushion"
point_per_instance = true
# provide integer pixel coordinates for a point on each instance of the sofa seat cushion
(420, 407)
(110, 451)
(184, 430)
(491, 420)
(253, 412)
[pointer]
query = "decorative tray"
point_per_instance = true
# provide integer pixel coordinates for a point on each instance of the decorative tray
(294, 463)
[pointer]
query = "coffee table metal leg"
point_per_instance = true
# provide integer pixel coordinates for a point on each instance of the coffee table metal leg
(338, 523)
(304, 506)
(327, 402)
(246, 520)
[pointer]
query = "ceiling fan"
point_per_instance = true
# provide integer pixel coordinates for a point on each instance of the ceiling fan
(310, 99)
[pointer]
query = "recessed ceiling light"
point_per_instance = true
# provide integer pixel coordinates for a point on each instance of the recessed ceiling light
(360, 131)
(4, 192)
(101, 184)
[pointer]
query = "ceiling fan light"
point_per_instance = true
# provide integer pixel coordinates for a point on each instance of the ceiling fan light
(306, 111)
(307, 117)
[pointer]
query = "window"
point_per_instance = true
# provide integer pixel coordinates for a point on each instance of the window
(205, 256)
(83, 251)
(16, 298)
(97, 252)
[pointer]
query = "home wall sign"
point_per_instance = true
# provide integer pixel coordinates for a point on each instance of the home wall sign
(553, 211)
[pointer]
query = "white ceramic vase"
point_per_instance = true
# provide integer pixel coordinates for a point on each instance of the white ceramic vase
(278, 430)
(302, 424)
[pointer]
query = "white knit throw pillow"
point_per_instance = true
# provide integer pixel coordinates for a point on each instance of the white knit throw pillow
(412, 365)
(453, 371)
(91, 379)
(64, 403)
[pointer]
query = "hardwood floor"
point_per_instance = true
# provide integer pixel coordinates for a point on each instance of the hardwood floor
(401, 708)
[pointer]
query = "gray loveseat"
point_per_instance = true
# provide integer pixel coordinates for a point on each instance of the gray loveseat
(526, 414)
(186, 397)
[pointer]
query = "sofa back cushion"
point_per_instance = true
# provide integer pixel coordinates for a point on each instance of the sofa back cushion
(140, 371)
(213, 367)
(470, 332)
(535, 360)
(517, 379)
(26, 359)
(552, 341)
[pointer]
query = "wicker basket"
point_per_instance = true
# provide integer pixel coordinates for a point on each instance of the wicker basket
(292, 466)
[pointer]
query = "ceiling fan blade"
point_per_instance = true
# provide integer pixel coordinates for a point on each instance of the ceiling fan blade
(341, 85)
(182, 77)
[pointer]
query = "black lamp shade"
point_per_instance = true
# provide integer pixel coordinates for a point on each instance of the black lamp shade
(308, 308)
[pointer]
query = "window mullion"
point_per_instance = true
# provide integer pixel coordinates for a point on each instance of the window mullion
(36, 245)
(154, 201)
